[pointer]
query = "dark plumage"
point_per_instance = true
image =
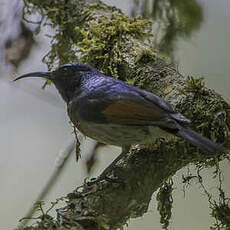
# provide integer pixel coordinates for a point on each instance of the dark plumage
(114, 112)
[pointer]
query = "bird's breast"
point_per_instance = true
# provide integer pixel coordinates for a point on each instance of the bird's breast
(109, 132)
(119, 135)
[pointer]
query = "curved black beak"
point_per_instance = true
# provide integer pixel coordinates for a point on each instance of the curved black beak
(46, 75)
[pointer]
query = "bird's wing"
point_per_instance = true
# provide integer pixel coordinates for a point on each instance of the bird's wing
(132, 111)
(128, 105)
(163, 104)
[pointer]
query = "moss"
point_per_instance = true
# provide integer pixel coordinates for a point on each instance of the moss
(82, 35)
(164, 203)
(221, 213)
(131, 81)
(43, 219)
(145, 56)
(64, 15)
(102, 43)
(209, 114)
(99, 6)
(195, 84)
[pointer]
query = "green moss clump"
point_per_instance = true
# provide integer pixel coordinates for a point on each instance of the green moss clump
(99, 6)
(195, 84)
(164, 203)
(145, 56)
(103, 43)
(207, 109)
(82, 35)
(63, 16)
(222, 215)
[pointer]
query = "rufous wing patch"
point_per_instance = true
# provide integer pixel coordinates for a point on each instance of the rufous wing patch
(129, 111)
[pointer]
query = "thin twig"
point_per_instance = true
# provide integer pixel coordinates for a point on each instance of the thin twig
(59, 165)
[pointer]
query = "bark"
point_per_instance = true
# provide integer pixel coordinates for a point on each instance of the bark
(108, 205)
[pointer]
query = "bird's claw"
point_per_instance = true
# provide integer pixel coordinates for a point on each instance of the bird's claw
(115, 180)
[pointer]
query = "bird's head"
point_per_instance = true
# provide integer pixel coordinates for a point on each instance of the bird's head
(67, 78)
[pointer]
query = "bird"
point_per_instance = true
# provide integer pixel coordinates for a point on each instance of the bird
(114, 112)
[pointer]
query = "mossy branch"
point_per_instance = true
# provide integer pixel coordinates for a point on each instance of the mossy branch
(121, 47)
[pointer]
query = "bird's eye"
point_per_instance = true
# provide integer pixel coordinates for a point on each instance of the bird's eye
(64, 70)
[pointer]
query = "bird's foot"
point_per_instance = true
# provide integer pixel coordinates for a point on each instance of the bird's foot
(100, 178)
(104, 174)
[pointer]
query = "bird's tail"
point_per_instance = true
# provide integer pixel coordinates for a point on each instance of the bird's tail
(198, 140)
